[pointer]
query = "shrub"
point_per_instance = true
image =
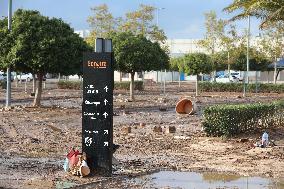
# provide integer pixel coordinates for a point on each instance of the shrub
(125, 85)
(229, 120)
(70, 85)
(3, 84)
(138, 85)
(238, 87)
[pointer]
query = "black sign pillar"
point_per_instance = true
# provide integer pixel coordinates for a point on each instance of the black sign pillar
(97, 111)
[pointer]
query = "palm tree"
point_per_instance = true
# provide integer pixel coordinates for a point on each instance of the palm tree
(270, 11)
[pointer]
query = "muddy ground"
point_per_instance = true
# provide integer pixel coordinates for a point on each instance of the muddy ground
(34, 141)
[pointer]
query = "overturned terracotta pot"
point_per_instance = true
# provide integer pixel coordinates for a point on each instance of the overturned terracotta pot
(186, 106)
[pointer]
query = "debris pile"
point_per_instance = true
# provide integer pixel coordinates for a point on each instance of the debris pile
(76, 163)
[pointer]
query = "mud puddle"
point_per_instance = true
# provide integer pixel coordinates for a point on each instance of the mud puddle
(193, 180)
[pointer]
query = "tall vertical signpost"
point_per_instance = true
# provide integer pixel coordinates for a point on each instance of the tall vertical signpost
(8, 92)
(97, 108)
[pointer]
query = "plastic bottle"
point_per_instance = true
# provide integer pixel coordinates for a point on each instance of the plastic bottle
(264, 139)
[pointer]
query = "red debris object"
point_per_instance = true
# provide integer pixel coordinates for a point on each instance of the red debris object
(73, 157)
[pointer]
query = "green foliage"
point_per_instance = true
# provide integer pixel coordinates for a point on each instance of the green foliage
(238, 87)
(40, 44)
(197, 63)
(176, 64)
(77, 85)
(136, 53)
(138, 22)
(220, 60)
(230, 120)
(125, 85)
(102, 22)
(257, 62)
(269, 11)
(214, 32)
(3, 84)
(271, 42)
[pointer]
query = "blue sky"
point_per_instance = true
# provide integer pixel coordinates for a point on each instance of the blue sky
(179, 19)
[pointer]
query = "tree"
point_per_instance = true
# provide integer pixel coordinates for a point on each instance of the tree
(138, 22)
(196, 64)
(272, 44)
(257, 62)
(220, 60)
(5, 43)
(269, 11)
(137, 53)
(213, 36)
(42, 45)
(229, 41)
(102, 22)
(176, 64)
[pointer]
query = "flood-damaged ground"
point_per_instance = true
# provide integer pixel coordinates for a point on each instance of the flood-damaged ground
(34, 141)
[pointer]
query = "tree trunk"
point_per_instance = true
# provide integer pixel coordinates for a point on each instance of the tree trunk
(278, 71)
(34, 83)
(275, 71)
(38, 90)
(165, 82)
(196, 86)
(16, 80)
(229, 69)
(179, 81)
(256, 85)
(132, 86)
(157, 77)
(229, 66)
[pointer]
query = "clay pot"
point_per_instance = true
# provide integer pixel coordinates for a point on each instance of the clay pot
(186, 106)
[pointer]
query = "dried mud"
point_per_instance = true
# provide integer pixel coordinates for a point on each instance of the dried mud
(34, 141)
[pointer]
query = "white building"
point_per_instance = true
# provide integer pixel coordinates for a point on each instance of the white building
(83, 33)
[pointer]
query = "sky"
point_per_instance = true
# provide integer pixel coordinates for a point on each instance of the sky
(180, 19)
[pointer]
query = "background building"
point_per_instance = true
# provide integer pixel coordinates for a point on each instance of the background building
(179, 47)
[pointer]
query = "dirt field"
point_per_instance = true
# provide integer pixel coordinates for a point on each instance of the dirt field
(34, 141)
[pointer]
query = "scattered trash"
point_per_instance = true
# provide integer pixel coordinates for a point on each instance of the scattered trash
(84, 169)
(171, 129)
(163, 108)
(158, 129)
(243, 140)
(66, 165)
(142, 125)
(76, 164)
(73, 158)
(264, 140)
(181, 137)
(126, 130)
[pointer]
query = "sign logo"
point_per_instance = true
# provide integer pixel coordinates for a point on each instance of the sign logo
(97, 64)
